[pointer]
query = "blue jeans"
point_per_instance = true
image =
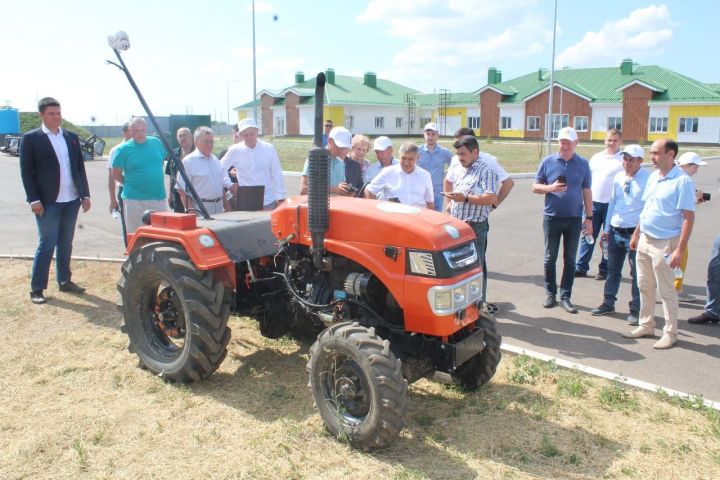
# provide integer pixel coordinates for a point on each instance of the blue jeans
(618, 249)
(712, 307)
(599, 211)
(56, 229)
(569, 229)
(481, 233)
(438, 198)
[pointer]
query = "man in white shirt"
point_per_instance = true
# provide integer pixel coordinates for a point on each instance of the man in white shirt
(406, 182)
(114, 187)
(603, 168)
(256, 163)
(205, 173)
(384, 153)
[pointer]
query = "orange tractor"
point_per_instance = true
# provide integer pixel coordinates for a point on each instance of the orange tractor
(392, 293)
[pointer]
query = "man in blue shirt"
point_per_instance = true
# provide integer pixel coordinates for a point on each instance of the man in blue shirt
(434, 158)
(339, 141)
(660, 239)
(712, 306)
(623, 215)
(564, 178)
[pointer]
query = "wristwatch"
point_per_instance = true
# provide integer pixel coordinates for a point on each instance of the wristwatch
(589, 218)
(467, 198)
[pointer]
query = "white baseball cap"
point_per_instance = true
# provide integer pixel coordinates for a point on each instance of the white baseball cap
(341, 136)
(431, 126)
(382, 143)
(634, 150)
(567, 133)
(246, 123)
(688, 158)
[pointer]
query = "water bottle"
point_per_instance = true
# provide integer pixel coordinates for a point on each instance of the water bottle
(604, 246)
(116, 213)
(588, 238)
(677, 271)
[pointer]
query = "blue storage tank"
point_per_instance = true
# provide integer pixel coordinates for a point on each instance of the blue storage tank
(9, 121)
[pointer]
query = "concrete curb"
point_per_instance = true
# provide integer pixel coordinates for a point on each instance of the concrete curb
(596, 372)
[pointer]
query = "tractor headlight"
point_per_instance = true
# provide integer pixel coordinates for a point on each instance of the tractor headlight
(448, 299)
(443, 300)
(421, 263)
(474, 290)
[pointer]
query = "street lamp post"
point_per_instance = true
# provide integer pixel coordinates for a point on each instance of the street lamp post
(549, 122)
(227, 86)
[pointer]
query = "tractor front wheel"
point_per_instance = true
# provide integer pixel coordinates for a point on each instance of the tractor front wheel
(357, 385)
(175, 315)
(478, 371)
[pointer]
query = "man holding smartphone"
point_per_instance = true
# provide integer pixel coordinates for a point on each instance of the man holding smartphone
(564, 178)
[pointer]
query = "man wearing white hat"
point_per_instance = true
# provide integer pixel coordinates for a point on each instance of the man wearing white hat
(564, 179)
(434, 158)
(338, 144)
(690, 163)
(256, 163)
(384, 153)
(623, 215)
(660, 239)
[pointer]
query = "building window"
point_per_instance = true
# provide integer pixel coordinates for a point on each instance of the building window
(658, 124)
(614, 122)
(505, 123)
(688, 125)
(279, 126)
(580, 124)
(533, 124)
(379, 122)
(473, 122)
(412, 124)
(559, 120)
(425, 121)
(398, 122)
(349, 122)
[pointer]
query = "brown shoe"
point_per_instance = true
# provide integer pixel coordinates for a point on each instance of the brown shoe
(665, 342)
(640, 332)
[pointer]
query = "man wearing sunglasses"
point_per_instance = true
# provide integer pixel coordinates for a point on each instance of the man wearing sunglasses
(623, 215)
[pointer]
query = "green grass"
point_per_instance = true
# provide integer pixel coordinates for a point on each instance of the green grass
(515, 156)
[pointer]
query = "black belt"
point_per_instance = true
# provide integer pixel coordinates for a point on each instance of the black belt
(472, 222)
(625, 231)
(211, 200)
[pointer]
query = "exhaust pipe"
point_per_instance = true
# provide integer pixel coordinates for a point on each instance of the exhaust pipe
(318, 182)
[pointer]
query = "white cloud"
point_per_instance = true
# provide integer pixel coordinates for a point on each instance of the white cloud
(645, 30)
(451, 43)
(261, 7)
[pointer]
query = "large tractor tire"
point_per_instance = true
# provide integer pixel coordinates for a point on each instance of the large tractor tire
(175, 315)
(357, 385)
(478, 371)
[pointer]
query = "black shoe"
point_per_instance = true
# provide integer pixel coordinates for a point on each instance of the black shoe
(36, 297)
(601, 276)
(71, 287)
(698, 319)
(603, 309)
(579, 274)
(567, 306)
(549, 301)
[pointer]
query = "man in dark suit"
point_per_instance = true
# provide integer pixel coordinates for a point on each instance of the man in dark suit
(53, 174)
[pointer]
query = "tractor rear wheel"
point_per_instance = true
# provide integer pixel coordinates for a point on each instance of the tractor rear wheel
(175, 315)
(357, 385)
(478, 371)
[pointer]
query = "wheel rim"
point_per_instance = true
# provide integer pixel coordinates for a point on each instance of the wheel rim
(346, 390)
(164, 320)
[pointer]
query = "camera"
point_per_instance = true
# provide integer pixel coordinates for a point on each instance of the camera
(705, 196)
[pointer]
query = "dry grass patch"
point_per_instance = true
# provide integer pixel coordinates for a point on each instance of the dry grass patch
(75, 405)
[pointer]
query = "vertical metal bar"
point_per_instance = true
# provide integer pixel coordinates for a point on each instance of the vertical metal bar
(552, 82)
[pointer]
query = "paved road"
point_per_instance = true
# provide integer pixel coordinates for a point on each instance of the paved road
(515, 264)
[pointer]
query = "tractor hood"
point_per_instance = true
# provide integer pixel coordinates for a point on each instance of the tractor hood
(375, 221)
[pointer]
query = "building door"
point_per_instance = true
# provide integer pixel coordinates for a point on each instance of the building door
(279, 126)
(559, 120)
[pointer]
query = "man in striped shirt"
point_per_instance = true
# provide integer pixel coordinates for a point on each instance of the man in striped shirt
(474, 193)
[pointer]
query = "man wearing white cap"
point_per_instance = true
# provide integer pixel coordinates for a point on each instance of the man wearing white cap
(603, 167)
(660, 239)
(690, 163)
(256, 163)
(384, 152)
(564, 179)
(623, 215)
(434, 158)
(339, 143)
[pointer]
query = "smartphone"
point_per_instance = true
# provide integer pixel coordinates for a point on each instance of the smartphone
(561, 179)
(394, 200)
(705, 196)
(446, 194)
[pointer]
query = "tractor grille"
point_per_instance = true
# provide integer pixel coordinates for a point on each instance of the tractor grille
(462, 257)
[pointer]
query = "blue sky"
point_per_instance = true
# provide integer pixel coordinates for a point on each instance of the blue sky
(195, 56)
